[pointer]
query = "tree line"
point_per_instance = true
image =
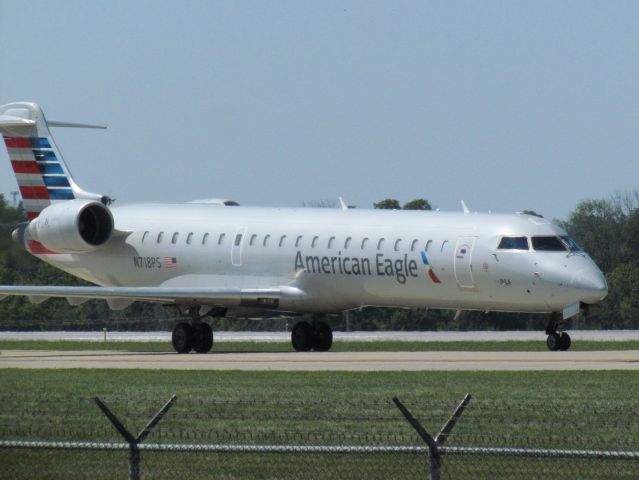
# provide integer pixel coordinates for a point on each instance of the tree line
(608, 229)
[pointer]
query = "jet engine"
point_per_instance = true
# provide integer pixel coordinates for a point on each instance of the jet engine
(73, 226)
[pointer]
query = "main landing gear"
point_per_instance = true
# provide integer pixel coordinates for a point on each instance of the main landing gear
(557, 340)
(197, 335)
(316, 336)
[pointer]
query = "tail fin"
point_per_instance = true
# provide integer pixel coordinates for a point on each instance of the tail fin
(42, 175)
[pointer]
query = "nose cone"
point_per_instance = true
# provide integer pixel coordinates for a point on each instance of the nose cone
(591, 285)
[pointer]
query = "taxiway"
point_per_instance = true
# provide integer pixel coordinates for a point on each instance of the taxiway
(326, 361)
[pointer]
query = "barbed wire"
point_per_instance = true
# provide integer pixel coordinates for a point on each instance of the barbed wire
(287, 438)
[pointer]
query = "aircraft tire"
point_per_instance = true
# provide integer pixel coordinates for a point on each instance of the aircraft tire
(553, 342)
(182, 337)
(302, 337)
(564, 341)
(322, 337)
(205, 342)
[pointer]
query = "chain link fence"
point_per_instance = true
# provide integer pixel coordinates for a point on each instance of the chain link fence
(60, 436)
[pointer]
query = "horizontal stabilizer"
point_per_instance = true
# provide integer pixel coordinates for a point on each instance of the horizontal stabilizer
(55, 123)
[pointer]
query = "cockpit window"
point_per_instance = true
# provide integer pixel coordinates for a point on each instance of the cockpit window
(572, 245)
(548, 244)
(513, 243)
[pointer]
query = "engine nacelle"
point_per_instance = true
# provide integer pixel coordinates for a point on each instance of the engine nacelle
(73, 226)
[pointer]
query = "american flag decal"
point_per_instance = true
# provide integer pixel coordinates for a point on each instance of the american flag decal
(170, 262)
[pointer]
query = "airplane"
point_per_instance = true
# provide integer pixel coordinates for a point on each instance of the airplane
(212, 257)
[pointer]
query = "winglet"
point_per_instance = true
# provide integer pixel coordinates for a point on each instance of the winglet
(466, 211)
(343, 204)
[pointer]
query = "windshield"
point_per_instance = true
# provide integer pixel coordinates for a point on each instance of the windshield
(548, 244)
(572, 245)
(513, 243)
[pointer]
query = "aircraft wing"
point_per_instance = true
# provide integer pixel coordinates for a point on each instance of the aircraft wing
(121, 297)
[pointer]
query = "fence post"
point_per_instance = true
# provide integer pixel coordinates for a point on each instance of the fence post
(134, 442)
(434, 455)
(442, 436)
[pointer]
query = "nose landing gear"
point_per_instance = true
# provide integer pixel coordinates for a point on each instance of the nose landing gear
(557, 340)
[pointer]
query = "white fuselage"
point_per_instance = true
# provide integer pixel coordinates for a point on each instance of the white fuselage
(341, 259)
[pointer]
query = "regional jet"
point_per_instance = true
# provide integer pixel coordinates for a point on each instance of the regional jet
(211, 258)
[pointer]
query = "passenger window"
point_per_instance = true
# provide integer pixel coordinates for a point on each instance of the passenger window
(253, 238)
(298, 241)
(314, 242)
(238, 239)
(266, 240)
(380, 244)
(347, 243)
(144, 237)
(205, 239)
(189, 238)
(160, 237)
(282, 240)
(428, 244)
(331, 242)
(513, 243)
(364, 242)
(398, 244)
(175, 238)
(548, 244)
(220, 241)
(413, 245)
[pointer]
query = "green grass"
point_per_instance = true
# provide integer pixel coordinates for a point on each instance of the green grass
(338, 346)
(519, 409)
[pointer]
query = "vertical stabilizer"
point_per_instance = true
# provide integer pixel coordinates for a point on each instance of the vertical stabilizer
(42, 175)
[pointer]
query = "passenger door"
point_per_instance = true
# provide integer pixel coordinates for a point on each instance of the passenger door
(463, 262)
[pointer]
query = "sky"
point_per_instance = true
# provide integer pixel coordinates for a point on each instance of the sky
(507, 105)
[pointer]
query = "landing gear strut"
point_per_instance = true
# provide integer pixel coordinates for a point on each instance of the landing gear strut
(557, 340)
(196, 336)
(317, 336)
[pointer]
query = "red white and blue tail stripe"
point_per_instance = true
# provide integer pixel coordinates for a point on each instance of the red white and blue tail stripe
(39, 172)
(43, 177)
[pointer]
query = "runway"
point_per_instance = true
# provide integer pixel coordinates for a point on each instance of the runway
(326, 361)
(358, 336)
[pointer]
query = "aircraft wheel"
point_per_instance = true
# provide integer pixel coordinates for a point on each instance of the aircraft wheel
(553, 342)
(564, 341)
(182, 338)
(205, 339)
(302, 337)
(322, 337)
